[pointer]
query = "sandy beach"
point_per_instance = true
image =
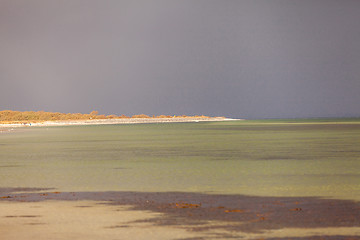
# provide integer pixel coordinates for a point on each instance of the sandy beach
(30, 213)
(117, 121)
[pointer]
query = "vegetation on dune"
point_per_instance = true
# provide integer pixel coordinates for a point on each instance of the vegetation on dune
(31, 116)
(12, 116)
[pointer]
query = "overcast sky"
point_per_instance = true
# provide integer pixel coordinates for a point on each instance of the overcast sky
(245, 58)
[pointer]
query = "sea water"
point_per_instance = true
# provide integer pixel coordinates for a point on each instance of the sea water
(265, 158)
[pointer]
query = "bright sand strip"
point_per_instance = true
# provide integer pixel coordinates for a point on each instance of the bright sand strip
(119, 121)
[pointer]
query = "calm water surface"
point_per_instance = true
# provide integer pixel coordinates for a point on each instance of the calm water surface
(252, 158)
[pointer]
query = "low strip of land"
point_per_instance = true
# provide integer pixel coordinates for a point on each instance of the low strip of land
(116, 121)
(10, 118)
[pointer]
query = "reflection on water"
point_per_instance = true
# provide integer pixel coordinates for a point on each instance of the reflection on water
(252, 158)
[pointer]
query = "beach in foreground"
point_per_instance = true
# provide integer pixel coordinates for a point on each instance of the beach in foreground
(27, 214)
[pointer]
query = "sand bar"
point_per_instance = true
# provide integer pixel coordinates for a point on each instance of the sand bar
(118, 121)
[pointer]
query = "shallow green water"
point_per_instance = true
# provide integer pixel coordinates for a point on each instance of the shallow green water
(243, 157)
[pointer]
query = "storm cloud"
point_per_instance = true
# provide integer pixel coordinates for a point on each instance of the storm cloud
(245, 58)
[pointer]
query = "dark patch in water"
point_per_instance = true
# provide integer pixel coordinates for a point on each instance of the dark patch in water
(23, 216)
(118, 226)
(9, 166)
(35, 224)
(277, 158)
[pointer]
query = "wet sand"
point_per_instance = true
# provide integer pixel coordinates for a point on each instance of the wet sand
(86, 220)
(175, 215)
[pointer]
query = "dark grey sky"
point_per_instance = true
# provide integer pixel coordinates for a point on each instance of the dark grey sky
(245, 58)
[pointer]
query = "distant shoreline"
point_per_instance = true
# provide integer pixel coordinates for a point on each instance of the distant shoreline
(116, 121)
